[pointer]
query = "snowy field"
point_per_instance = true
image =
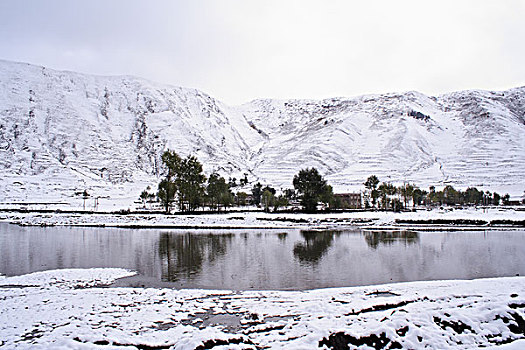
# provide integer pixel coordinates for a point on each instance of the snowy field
(486, 218)
(71, 309)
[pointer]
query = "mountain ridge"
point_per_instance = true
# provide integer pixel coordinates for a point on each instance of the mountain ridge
(63, 131)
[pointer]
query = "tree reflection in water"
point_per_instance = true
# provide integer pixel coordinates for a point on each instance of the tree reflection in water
(282, 236)
(182, 254)
(316, 244)
(375, 238)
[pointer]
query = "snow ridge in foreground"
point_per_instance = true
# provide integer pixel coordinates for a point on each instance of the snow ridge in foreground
(437, 314)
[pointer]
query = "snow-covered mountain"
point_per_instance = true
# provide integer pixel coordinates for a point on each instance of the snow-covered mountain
(63, 132)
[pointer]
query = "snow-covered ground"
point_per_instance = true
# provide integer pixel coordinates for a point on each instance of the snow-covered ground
(485, 217)
(66, 309)
(75, 309)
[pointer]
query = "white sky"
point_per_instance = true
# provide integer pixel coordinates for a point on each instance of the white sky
(238, 50)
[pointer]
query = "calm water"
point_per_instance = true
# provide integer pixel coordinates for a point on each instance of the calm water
(264, 259)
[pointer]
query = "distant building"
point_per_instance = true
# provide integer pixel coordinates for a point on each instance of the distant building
(349, 200)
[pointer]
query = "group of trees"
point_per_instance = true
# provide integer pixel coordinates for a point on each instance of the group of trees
(382, 195)
(388, 196)
(185, 184)
(449, 195)
(267, 198)
(309, 188)
(232, 181)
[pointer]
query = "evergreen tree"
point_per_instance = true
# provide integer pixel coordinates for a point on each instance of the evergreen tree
(433, 196)
(227, 199)
(396, 205)
(496, 198)
(289, 193)
(190, 184)
(219, 192)
(450, 195)
(487, 198)
(418, 195)
(215, 188)
(167, 187)
(151, 198)
(256, 193)
(327, 197)
(473, 196)
(166, 193)
(310, 185)
(171, 161)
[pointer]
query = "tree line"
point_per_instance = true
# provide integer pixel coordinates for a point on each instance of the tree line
(185, 185)
(386, 196)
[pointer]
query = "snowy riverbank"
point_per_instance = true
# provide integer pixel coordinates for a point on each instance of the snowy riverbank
(64, 309)
(485, 218)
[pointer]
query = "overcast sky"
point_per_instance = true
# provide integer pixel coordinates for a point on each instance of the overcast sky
(238, 50)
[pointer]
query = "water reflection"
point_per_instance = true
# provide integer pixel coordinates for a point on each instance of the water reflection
(282, 236)
(375, 238)
(315, 245)
(183, 254)
(265, 259)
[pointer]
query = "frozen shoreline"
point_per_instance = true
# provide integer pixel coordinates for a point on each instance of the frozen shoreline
(459, 219)
(66, 309)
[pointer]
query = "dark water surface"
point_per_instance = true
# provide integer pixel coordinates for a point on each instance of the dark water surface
(264, 259)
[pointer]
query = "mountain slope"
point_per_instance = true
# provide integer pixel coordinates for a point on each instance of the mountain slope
(63, 132)
(466, 138)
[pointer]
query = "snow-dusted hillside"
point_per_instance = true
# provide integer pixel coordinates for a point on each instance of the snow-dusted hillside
(467, 138)
(63, 132)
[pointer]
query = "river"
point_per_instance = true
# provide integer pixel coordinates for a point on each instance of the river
(264, 259)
